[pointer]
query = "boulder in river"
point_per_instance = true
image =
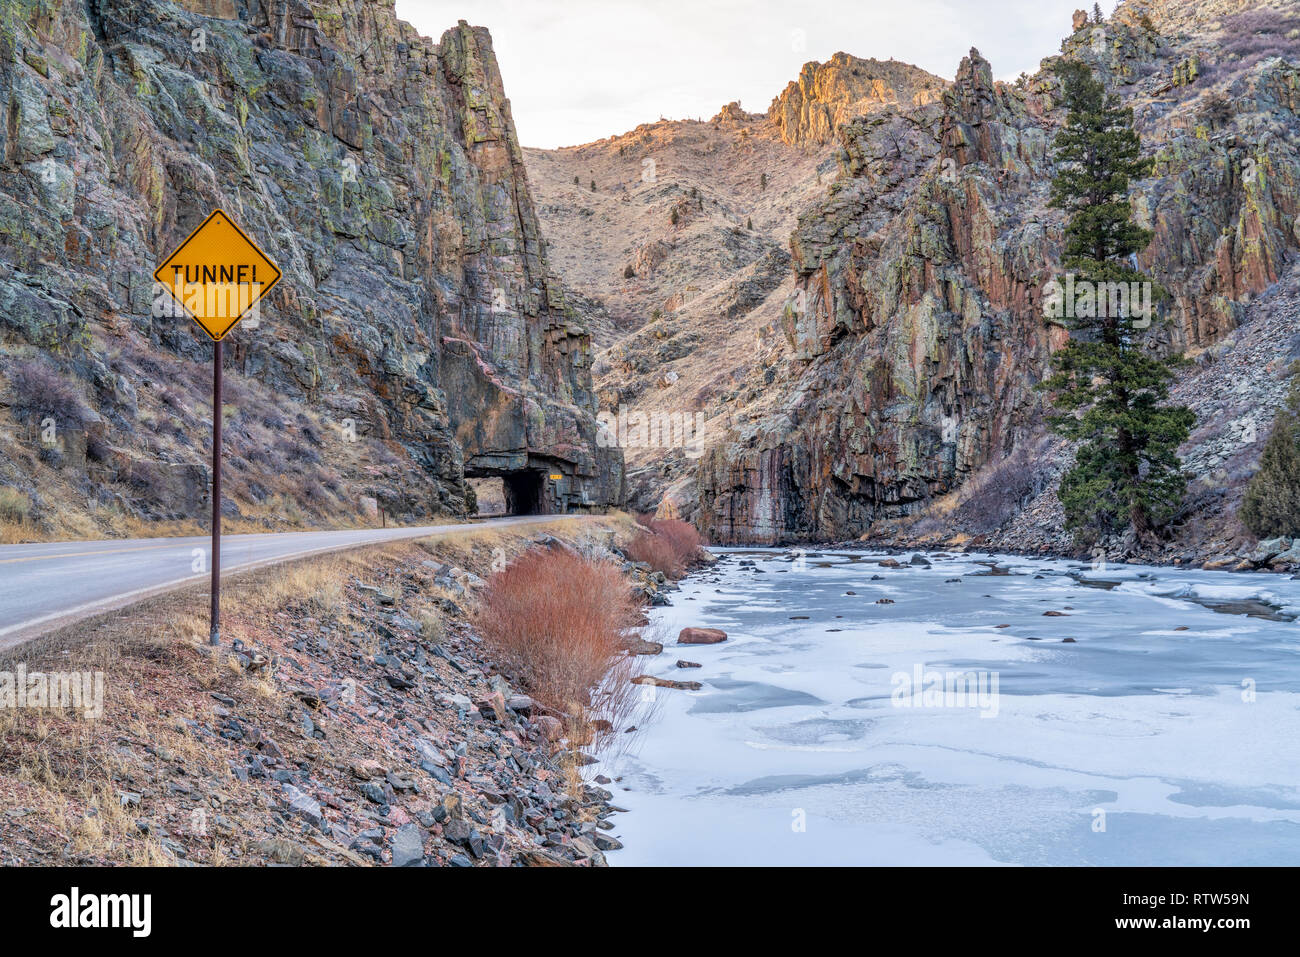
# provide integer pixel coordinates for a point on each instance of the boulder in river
(667, 683)
(701, 636)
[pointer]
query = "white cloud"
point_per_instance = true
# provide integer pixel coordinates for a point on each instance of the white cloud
(580, 70)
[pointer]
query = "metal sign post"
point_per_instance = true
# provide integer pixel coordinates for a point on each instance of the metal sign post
(214, 634)
(214, 277)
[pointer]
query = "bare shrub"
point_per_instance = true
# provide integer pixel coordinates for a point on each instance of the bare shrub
(613, 704)
(382, 455)
(655, 551)
(317, 494)
(174, 399)
(556, 620)
(666, 545)
(296, 451)
(683, 536)
(41, 392)
(994, 496)
(1258, 35)
(260, 455)
(147, 477)
(1271, 505)
(1216, 110)
(235, 390)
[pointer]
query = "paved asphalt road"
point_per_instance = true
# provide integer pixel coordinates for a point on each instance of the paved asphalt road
(48, 585)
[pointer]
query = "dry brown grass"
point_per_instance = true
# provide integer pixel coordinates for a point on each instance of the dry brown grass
(65, 770)
(432, 626)
(15, 517)
(314, 586)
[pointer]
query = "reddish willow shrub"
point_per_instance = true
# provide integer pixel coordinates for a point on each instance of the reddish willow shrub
(666, 545)
(556, 620)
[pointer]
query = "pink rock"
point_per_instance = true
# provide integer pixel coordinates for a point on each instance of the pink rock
(493, 705)
(550, 727)
(701, 636)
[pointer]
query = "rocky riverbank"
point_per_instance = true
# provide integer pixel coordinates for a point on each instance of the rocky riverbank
(351, 718)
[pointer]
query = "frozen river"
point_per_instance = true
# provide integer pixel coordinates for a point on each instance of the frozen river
(1166, 732)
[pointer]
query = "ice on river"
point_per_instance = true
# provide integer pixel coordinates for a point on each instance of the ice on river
(1167, 732)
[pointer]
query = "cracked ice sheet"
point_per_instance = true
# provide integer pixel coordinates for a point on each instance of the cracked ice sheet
(1136, 726)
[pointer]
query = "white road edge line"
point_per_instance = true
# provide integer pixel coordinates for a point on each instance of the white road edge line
(112, 602)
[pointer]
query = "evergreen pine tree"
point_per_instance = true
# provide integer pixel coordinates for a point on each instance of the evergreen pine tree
(1271, 506)
(1106, 390)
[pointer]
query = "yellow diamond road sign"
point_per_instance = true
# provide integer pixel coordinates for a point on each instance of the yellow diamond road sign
(218, 274)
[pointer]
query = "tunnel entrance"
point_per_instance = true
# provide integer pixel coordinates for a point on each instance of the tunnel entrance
(489, 494)
(523, 493)
(498, 489)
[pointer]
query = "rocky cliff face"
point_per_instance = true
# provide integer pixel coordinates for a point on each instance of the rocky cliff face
(915, 334)
(908, 327)
(417, 336)
(677, 235)
(827, 95)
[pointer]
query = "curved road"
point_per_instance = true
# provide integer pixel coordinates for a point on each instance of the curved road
(48, 585)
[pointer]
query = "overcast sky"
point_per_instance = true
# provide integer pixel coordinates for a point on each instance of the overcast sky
(579, 70)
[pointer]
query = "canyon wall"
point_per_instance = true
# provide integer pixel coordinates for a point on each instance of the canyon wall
(677, 235)
(915, 335)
